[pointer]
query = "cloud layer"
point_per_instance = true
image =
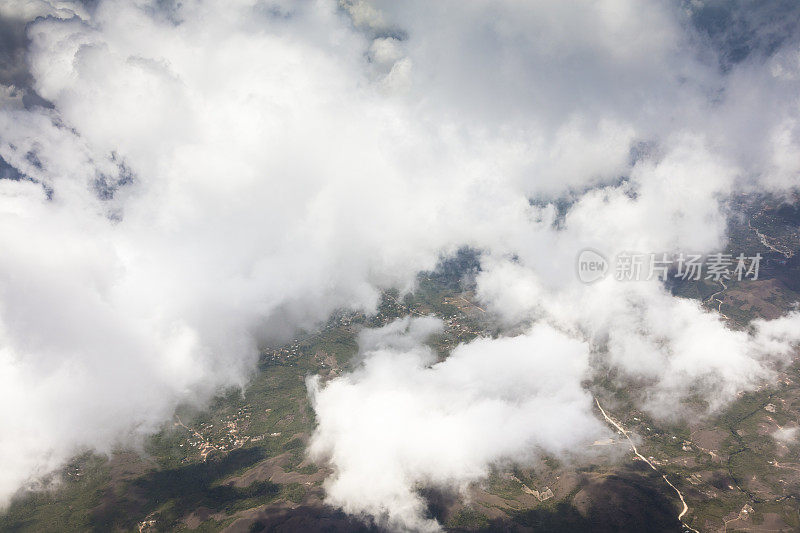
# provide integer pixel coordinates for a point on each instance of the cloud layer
(184, 180)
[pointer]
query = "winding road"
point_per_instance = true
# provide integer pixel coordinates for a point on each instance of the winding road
(713, 296)
(622, 430)
(765, 241)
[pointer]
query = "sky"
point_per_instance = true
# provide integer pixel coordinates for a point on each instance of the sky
(182, 182)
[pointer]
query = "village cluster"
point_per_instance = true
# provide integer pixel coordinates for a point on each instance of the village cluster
(206, 441)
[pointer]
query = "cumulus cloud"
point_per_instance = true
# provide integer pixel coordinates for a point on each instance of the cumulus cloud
(400, 421)
(201, 176)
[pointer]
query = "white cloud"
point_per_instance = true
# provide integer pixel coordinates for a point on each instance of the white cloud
(31, 9)
(217, 173)
(786, 435)
(400, 421)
